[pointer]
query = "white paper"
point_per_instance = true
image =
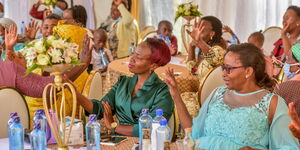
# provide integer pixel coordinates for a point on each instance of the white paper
(177, 61)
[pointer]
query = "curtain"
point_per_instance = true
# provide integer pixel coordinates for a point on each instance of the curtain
(135, 9)
(243, 16)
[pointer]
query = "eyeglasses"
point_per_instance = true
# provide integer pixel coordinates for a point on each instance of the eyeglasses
(229, 69)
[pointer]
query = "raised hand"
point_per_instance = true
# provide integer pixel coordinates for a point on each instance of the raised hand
(107, 116)
(171, 82)
(86, 52)
(31, 30)
(295, 124)
(11, 37)
(198, 28)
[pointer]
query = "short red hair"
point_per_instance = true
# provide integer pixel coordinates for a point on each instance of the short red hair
(160, 51)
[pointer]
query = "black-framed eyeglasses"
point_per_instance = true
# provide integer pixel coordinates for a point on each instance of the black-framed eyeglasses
(229, 69)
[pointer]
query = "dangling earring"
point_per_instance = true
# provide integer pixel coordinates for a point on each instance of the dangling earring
(211, 38)
(246, 77)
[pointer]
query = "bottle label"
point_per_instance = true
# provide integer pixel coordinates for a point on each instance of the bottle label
(153, 135)
(146, 133)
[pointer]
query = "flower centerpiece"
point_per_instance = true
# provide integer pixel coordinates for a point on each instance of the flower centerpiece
(49, 2)
(47, 52)
(187, 9)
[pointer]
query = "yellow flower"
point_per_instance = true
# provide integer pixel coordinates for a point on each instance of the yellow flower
(180, 10)
(50, 39)
(43, 59)
(187, 13)
(58, 44)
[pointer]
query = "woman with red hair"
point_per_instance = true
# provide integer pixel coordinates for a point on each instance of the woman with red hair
(130, 95)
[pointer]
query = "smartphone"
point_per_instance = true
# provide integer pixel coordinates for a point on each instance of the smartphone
(112, 140)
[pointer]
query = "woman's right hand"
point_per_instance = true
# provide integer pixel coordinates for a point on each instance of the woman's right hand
(198, 28)
(86, 52)
(171, 82)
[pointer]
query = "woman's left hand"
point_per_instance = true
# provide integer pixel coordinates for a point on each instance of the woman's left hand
(171, 82)
(198, 28)
(107, 116)
(86, 52)
(295, 124)
(11, 37)
(20, 60)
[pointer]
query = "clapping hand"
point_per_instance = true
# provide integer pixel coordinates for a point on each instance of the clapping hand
(86, 52)
(31, 30)
(107, 116)
(295, 124)
(11, 37)
(198, 28)
(20, 60)
(171, 82)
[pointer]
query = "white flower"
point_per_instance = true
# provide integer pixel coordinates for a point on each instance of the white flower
(55, 55)
(58, 43)
(39, 46)
(43, 59)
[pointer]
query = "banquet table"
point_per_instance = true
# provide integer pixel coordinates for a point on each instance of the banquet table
(185, 81)
(125, 145)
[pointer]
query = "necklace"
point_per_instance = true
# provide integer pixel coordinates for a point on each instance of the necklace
(246, 94)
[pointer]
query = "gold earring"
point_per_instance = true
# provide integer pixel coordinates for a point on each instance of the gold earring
(211, 38)
(246, 77)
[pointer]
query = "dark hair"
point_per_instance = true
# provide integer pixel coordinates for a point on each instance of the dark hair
(216, 27)
(102, 33)
(258, 35)
(166, 22)
(251, 56)
(295, 8)
(161, 54)
(79, 14)
(63, 1)
(53, 16)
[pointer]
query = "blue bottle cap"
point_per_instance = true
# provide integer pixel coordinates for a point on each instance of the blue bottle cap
(37, 125)
(167, 38)
(159, 112)
(39, 112)
(145, 111)
(160, 36)
(13, 114)
(16, 119)
(23, 22)
(163, 122)
(132, 44)
(93, 117)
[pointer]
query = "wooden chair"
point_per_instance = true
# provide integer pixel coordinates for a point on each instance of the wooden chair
(271, 34)
(227, 36)
(12, 101)
(212, 80)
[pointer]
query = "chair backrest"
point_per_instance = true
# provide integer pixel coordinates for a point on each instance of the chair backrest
(93, 86)
(12, 101)
(271, 34)
(212, 80)
(137, 27)
(146, 32)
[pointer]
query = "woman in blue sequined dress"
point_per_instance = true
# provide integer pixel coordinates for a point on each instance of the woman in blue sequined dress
(242, 115)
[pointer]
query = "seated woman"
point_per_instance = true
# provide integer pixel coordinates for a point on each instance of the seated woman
(209, 43)
(289, 90)
(130, 95)
(244, 114)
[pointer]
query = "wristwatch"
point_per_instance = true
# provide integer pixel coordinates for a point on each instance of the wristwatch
(113, 127)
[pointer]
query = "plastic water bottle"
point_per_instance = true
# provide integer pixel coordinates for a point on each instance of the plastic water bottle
(168, 41)
(16, 137)
(188, 142)
(11, 121)
(23, 27)
(37, 137)
(145, 130)
(92, 130)
(163, 135)
(131, 48)
(155, 125)
(103, 58)
(40, 117)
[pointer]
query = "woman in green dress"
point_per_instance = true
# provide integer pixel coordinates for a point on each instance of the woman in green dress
(130, 95)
